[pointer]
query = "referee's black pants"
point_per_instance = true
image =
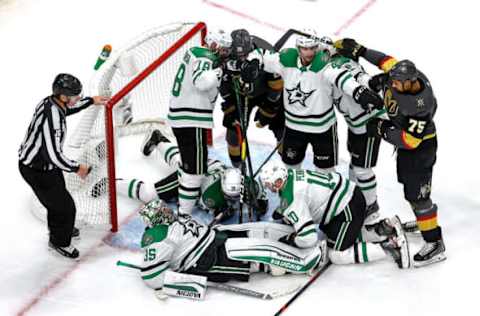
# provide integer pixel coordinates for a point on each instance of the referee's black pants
(49, 187)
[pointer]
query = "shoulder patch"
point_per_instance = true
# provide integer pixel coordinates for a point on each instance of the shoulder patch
(289, 57)
(202, 52)
(153, 235)
(338, 61)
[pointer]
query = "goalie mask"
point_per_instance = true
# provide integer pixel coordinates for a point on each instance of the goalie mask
(273, 175)
(232, 183)
(157, 212)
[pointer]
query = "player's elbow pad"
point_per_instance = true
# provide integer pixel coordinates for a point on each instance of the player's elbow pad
(209, 79)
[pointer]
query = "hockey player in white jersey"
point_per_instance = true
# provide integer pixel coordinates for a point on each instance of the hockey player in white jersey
(363, 148)
(308, 77)
(194, 92)
(220, 189)
(223, 253)
(337, 206)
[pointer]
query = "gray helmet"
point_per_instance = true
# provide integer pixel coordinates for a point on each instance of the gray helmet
(403, 70)
(242, 44)
(67, 85)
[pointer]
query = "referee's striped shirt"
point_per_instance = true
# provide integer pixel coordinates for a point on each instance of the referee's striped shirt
(42, 147)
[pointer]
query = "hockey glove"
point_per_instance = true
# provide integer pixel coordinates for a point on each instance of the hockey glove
(262, 206)
(288, 239)
(349, 48)
(249, 70)
(367, 98)
(263, 118)
(377, 82)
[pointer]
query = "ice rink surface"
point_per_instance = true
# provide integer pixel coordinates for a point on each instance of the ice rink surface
(44, 37)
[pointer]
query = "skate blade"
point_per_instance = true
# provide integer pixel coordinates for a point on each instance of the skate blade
(438, 258)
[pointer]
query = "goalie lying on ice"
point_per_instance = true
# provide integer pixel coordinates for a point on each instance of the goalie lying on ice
(222, 253)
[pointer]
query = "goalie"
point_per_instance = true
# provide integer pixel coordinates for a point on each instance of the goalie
(220, 191)
(225, 253)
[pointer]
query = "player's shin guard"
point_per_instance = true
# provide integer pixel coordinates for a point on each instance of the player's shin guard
(136, 189)
(367, 182)
(188, 191)
(359, 253)
(170, 154)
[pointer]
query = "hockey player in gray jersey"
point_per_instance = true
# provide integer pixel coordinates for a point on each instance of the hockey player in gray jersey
(308, 77)
(223, 253)
(363, 148)
(337, 206)
(220, 189)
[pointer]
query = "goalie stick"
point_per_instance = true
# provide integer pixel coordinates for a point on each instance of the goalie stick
(231, 288)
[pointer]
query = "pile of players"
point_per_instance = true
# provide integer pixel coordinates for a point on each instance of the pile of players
(294, 92)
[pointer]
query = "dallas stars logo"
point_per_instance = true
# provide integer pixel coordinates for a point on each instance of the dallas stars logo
(190, 226)
(297, 95)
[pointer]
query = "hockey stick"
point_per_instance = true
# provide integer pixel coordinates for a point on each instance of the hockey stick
(268, 157)
(312, 279)
(279, 44)
(219, 286)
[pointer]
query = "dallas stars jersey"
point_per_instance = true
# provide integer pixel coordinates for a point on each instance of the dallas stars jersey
(310, 198)
(177, 247)
(308, 89)
(192, 99)
(355, 116)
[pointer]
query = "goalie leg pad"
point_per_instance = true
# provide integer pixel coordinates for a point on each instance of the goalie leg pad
(273, 253)
(359, 253)
(268, 230)
(184, 285)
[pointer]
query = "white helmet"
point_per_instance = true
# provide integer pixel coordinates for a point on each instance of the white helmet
(310, 41)
(271, 173)
(232, 183)
(157, 212)
(326, 44)
(218, 38)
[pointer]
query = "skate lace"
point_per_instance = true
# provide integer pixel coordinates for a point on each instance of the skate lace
(427, 248)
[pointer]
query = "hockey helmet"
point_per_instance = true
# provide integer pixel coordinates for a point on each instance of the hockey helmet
(242, 44)
(231, 182)
(309, 40)
(157, 212)
(66, 84)
(218, 38)
(403, 70)
(271, 173)
(326, 44)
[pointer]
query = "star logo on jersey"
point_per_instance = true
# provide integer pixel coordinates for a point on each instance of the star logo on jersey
(190, 226)
(297, 95)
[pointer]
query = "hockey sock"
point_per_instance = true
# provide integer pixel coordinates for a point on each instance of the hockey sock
(428, 224)
(324, 170)
(170, 154)
(234, 154)
(367, 182)
(188, 191)
(136, 189)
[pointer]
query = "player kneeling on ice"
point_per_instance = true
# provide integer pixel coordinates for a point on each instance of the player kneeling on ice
(220, 190)
(338, 207)
(223, 253)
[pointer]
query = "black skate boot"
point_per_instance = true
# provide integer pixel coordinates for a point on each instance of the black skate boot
(380, 231)
(68, 252)
(99, 188)
(430, 253)
(397, 246)
(152, 139)
(410, 227)
(76, 233)
(372, 213)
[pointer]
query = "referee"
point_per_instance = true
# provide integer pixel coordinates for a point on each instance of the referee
(42, 162)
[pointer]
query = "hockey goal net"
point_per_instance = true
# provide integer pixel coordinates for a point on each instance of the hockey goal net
(138, 78)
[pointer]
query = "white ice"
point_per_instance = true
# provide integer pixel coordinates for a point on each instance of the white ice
(39, 39)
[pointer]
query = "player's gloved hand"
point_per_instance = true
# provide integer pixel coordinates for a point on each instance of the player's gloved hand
(376, 127)
(377, 82)
(288, 239)
(227, 212)
(249, 70)
(263, 118)
(262, 206)
(229, 115)
(367, 98)
(349, 48)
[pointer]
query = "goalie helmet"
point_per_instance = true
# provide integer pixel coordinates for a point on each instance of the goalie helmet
(326, 44)
(231, 183)
(309, 41)
(66, 84)
(271, 173)
(404, 70)
(157, 212)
